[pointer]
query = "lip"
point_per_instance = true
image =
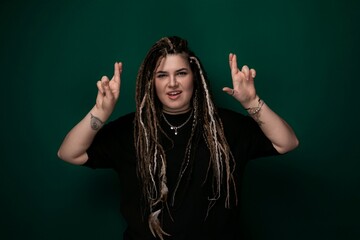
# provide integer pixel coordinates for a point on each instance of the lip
(174, 94)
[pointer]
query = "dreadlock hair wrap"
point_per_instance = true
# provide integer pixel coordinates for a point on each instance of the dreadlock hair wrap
(151, 157)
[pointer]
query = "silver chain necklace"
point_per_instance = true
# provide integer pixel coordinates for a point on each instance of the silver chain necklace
(175, 128)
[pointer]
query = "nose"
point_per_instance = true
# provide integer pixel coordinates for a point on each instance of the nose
(172, 81)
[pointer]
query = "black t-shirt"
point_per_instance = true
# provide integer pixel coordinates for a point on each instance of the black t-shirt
(187, 217)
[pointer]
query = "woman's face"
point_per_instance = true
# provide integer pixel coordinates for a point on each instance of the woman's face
(174, 83)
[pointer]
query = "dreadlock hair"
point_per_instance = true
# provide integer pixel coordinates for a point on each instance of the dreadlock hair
(151, 165)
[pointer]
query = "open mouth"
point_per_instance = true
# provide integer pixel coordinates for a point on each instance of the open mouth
(174, 93)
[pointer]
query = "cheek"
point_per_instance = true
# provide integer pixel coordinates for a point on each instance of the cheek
(190, 85)
(157, 87)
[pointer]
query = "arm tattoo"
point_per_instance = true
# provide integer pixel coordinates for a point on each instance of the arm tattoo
(95, 122)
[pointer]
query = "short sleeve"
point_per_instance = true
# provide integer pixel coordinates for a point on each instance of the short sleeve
(245, 137)
(111, 142)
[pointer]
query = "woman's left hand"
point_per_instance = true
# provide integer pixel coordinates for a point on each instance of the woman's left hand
(243, 82)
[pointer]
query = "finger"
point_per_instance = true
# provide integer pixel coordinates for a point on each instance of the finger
(233, 64)
(117, 72)
(246, 71)
(230, 59)
(105, 85)
(229, 91)
(252, 73)
(100, 88)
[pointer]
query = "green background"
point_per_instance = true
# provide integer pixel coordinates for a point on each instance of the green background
(306, 54)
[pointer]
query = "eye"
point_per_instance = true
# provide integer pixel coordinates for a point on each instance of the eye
(161, 75)
(182, 73)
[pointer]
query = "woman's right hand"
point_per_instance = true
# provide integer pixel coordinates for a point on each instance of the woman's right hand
(108, 93)
(77, 141)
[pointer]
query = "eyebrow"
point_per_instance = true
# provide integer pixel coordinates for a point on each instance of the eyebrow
(179, 70)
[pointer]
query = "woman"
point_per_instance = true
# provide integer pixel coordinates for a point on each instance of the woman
(179, 158)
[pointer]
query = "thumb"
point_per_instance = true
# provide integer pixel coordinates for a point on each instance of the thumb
(228, 90)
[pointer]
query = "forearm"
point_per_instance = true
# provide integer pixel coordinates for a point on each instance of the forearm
(78, 140)
(274, 127)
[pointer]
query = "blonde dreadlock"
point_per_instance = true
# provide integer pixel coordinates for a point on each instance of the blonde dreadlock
(151, 156)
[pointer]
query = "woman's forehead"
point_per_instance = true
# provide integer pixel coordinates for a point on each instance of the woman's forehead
(173, 61)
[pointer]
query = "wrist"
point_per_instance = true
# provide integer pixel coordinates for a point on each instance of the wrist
(256, 107)
(254, 111)
(251, 103)
(97, 118)
(95, 122)
(100, 113)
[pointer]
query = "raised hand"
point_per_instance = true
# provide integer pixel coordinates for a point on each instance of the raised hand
(109, 91)
(243, 82)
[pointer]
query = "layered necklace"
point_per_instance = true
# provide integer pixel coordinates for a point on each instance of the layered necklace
(176, 128)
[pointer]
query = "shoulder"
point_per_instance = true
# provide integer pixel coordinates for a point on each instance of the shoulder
(236, 121)
(245, 135)
(123, 121)
(114, 139)
(129, 117)
(229, 116)
(120, 126)
(228, 113)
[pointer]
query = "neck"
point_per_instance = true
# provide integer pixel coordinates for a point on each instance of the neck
(176, 112)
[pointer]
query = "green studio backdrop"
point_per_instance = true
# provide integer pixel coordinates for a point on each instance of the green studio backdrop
(306, 54)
